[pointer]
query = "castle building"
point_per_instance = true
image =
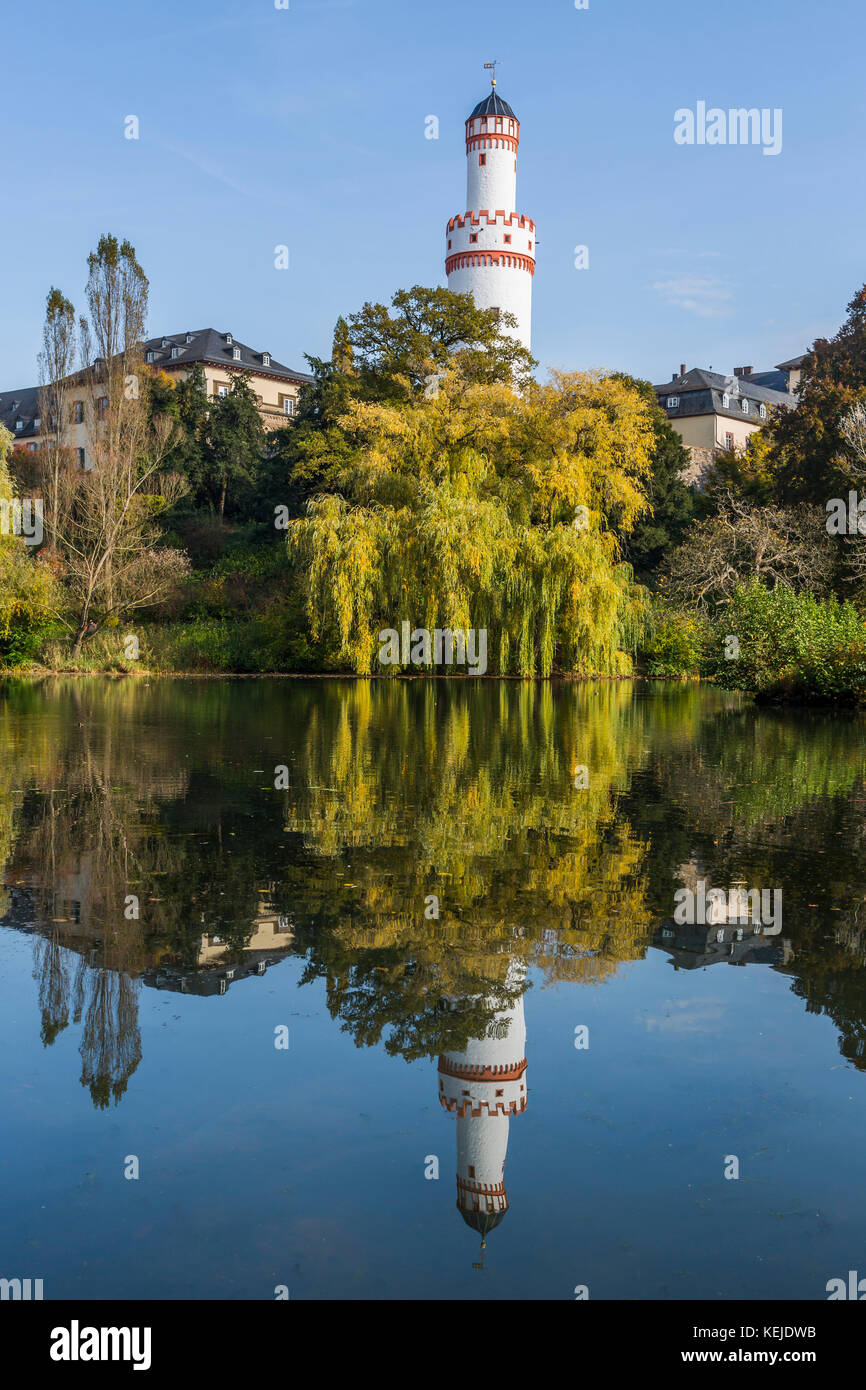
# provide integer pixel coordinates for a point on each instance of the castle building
(221, 357)
(484, 1086)
(490, 250)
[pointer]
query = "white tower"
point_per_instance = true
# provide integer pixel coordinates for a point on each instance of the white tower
(484, 1086)
(490, 250)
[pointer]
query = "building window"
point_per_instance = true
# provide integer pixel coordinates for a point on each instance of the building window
(673, 402)
(482, 159)
(501, 1093)
(726, 401)
(473, 236)
(228, 339)
(175, 351)
(763, 412)
(236, 354)
(449, 246)
(729, 442)
(507, 238)
(37, 422)
(483, 122)
(32, 448)
(82, 458)
(148, 356)
(19, 424)
(78, 412)
(222, 390)
(745, 405)
(530, 245)
(471, 1170)
(288, 405)
(102, 407)
(266, 359)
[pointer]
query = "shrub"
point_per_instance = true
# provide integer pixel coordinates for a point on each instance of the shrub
(674, 641)
(790, 646)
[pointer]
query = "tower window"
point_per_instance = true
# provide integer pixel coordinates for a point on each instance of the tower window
(507, 238)
(449, 246)
(482, 159)
(471, 1170)
(473, 236)
(529, 245)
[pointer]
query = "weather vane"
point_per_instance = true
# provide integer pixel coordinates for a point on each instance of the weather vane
(492, 68)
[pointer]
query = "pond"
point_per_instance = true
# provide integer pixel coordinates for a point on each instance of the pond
(423, 989)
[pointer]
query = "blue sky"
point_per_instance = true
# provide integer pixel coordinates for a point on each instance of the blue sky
(305, 127)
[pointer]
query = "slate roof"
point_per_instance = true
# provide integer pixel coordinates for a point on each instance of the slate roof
(207, 345)
(20, 405)
(700, 392)
(493, 105)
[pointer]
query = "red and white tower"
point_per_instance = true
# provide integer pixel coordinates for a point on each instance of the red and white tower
(484, 1086)
(490, 251)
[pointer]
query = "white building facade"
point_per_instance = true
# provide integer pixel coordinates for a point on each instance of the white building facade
(490, 249)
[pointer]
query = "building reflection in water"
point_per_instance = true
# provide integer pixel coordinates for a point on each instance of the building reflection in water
(484, 1086)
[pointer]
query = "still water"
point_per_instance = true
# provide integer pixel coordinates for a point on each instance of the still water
(376, 990)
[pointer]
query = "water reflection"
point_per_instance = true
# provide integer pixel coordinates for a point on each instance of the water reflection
(146, 845)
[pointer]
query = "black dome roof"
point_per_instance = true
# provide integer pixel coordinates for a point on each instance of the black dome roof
(482, 1221)
(493, 105)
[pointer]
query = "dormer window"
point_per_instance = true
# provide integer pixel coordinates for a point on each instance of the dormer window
(726, 401)
(148, 356)
(175, 351)
(189, 337)
(19, 424)
(229, 340)
(165, 342)
(266, 359)
(236, 354)
(673, 402)
(763, 412)
(37, 422)
(745, 404)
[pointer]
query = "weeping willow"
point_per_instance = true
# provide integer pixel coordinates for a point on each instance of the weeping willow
(480, 508)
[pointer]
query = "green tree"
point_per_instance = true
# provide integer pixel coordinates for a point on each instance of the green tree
(673, 503)
(808, 449)
(390, 355)
(235, 443)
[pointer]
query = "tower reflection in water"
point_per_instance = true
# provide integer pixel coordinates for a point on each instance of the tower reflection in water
(484, 1086)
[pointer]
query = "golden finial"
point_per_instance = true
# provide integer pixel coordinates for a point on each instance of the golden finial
(492, 68)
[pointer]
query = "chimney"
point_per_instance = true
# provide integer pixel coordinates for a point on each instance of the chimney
(743, 371)
(682, 369)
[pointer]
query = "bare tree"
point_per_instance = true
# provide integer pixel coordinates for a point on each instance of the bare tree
(853, 431)
(108, 515)
(779, 546)
(56, 363)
